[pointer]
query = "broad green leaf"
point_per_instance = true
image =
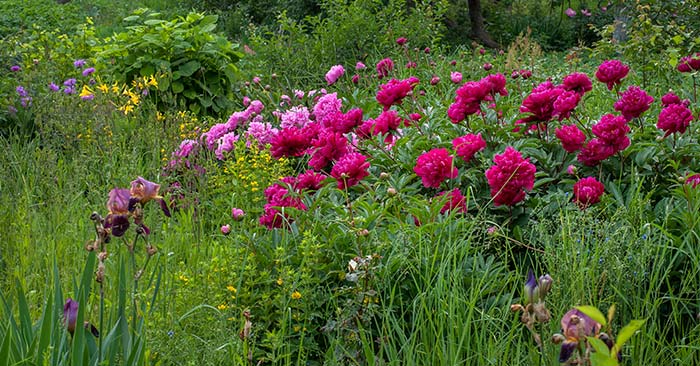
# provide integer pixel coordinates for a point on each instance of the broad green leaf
(599, 359)
(593, 313)
(177, 87)
(154, 21)
(131, 18)
(147, 70)
(190, 94)
(626, 333)
(189, 68)
(599, 346)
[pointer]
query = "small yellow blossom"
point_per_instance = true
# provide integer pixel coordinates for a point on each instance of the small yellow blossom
(296, 295)
(86, 92)
(231, 288)
(103, 88)
(280, 281)
(222, 307)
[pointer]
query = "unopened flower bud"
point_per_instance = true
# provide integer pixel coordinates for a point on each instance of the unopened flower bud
(363, 232)
(226, 229)
(391, 191)
(151, 250)
(544, 285)
(516, 307)
(383, 175)
(558, 338)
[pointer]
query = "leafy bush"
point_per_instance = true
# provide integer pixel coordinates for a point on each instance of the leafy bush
(197, 64)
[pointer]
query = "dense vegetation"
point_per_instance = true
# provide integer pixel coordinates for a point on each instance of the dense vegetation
(349, 183)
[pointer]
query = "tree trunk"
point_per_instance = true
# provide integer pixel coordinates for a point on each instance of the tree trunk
(477, 22)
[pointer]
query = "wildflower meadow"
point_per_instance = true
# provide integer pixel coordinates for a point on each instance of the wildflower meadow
(350, 183)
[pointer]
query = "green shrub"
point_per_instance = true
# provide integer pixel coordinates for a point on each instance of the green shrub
(198, 65)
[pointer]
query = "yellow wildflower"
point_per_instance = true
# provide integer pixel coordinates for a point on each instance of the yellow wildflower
(86, 92)
(280, 281)
(231, 288)
(296, 295)
(222, 307)
(152, 81)
(103, 88)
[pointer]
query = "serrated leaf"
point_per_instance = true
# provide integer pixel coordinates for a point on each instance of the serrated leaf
(626, 333)
(593, 313)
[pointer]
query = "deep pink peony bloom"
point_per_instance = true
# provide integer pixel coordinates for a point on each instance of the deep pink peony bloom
(468, 145)
(571, 137)
(401, 41)
(328, 146)
(689, 63)
(335, 73)
(674, 118)
(565, 103)
(510, 177)
(540, 105)
(456, 77)
(386, 122)
(594, 152)
(456, 201)
(309, 181)
(587, 191)
(611, 72)
(473, 93)
(671, 98)
(394, 91)
(297, 116)
(384, 67)
(290, 142)
(693, 180)
(578, 82)
(350, 170)
(633, 102)
(435, 166)
(612, 130)
(343, 122)
(226, 229)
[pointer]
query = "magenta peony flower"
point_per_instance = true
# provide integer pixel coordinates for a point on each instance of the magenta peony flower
(309, 181)
(435, 166)
(393, 92)
(578, 82)
(359, 65)
(468, 145)
(571, 170)
(434, 80)
(328, 146)
(671, 98)
(570, 12)
(571, 137)
(386, 122)
(456, 77)
(689, 63)
(612, 130)
(693, 180)
(525, 74)
(384, 67)
(334, 74)
(587, 191)
(594, 152)
(350, 170)
(565, 103)
(674, 118)
(611, 72)
(355, 79)
(456, 201)
(487, 66)
(540, 104)
(510, 177)
(290, 142)
(401, 41)
(633, 102)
